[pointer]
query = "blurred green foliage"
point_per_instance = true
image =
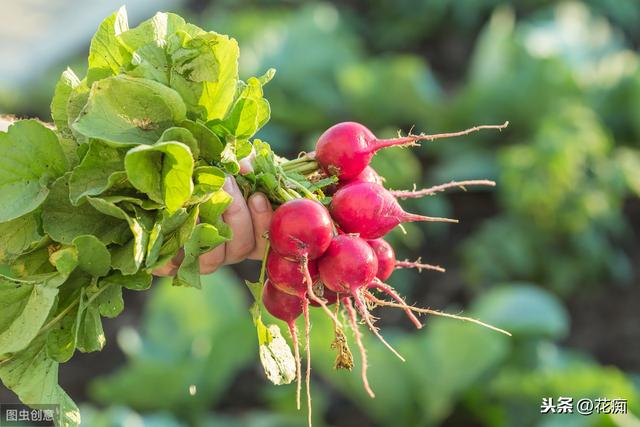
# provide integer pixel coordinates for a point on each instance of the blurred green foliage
(567, 77)
(449, 365)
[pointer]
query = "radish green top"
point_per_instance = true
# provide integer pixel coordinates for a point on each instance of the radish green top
(131, 172)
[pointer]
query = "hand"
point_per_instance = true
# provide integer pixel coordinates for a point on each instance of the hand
(249, 221)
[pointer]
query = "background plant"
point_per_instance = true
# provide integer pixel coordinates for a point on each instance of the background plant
(551, 253)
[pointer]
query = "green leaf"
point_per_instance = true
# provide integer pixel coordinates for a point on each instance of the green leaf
(153, 31)
(523, 310)
(33, 376)
(64, 222)
(105, 54)
(163, 228)
(211, 209)
(61, 96)
(208, 180)
(129, 257)
(183, 135)
(145, 204)
(125, 110)
(101, 168)
(250, 112)
(110, 302)
(90, 333)
(205, 72)
(31, 160)
(18, 235)
(205, 237)
(93, 255)
(65, 260)
(35, 267)
(62, 338)
(162, 171)
(210, 145)
(137, 282)
(77, 100)
(23, 309)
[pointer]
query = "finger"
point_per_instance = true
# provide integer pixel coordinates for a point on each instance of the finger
(261, 213)
(246, 164)
(212, 260)
(238, 218)
(171, 267)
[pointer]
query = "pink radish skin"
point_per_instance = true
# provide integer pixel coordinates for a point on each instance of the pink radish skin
(348, 265)
(387, 261)
(301, 228)
(345, 149)
(386, 258)
(368, 174)
(288, 276)
(287, 308)
(281, 305)
(371, 211)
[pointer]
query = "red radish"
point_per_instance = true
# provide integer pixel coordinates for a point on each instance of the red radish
(289, 276)
(347, 267)
(386, 258)
(286, 308)
(387, 262)
(281, 305)
(368, 174)
(301, 230)
(345, 149)
(371, 211)
(413, 194)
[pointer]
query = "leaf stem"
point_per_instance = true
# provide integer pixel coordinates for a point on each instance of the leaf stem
(304, 168)
(302, 188)
(263, 268)
(290, 164)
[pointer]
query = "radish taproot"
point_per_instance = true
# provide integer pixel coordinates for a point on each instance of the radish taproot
(371, 211)
(387, 261)
(346, 148)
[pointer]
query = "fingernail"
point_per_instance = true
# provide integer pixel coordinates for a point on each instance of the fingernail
(259, 203)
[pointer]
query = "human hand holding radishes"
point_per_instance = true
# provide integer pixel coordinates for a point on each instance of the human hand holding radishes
(249, 220)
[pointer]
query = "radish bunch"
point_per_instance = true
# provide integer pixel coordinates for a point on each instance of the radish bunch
(131, 174)
(336, 254)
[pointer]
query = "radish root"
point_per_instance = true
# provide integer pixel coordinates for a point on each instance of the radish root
(296, 349)
(404, 306)
(366, 316)
(363, 353)
(417, 264)
(307, 333)
(377, 284)
(305, 269)
(406, 194)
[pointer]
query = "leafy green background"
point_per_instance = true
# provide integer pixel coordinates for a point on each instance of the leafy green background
(551, 253)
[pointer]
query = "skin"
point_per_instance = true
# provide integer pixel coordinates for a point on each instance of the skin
(249, 220)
